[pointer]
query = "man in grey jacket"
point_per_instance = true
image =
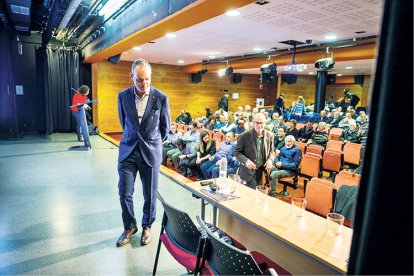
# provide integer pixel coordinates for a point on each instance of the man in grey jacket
(254, 150)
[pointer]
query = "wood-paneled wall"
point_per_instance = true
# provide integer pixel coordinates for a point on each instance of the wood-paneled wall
(109, 79)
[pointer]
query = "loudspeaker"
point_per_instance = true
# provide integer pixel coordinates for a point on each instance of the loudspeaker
(359, 79)
(331, 79)
(237, 77)
(196, 78)
(289, 78)
(115, 59)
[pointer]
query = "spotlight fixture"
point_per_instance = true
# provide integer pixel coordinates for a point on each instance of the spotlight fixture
(268, 68)
(325, 63)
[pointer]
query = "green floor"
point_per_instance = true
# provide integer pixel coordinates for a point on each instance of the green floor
(60, 214)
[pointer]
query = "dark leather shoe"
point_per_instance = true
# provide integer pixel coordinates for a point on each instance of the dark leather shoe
(146, 236)
(125, 236)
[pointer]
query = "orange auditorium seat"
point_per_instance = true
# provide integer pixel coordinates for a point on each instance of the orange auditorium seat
(320, 197)
(352, 153)
(335, 144)
(335, 133)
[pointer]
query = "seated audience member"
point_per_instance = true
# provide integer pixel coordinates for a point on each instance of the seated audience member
(248, 124)
(180, 118)
(279, 139)
(335, 119)
(291, 128)
(305, 133)
(319, 137)
(206, 149)
(286, 163)
(339, 109)
(353, 114)
(362, 119)
(187, 118)
(239, 117)
(281, 123)
(254, 150)
(352, 134)
(230, 125)
(324, 118)
(223, 151)
(191, 136)
(211, 123)
(222, 123)
(238, 112)
(274, 121)
(169, 142)
(232, 166)
(292, 108)
(187, 155)
(239, 129)
(344, 123)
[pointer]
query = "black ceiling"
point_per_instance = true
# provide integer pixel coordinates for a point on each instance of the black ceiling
(26, 17)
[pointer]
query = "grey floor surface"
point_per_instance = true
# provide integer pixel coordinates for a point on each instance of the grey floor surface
(60, 214)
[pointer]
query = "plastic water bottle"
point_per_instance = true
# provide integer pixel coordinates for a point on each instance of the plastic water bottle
(223, 173)
(223, 168)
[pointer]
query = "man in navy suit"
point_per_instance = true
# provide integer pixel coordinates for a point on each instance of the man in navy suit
(144, 114)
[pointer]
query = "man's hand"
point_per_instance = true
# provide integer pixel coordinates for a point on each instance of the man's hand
(278, 164)
(198, 160)
(182, 156)
(268, 164)
(250, 165)
(211, 158)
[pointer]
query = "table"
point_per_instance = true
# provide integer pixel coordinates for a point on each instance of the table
(300, 245)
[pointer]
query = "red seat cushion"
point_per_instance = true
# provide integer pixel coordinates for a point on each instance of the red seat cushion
(185, 258)
(265, 263)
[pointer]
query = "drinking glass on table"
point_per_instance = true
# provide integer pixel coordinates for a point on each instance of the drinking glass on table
(298, 207)
(334, 224)
(261, 193)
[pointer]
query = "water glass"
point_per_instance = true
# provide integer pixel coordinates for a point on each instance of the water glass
(298, 207)
(334, 224)
(261, 193)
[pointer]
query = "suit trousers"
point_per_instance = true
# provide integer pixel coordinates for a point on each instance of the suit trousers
(256, 179)
(127, 171)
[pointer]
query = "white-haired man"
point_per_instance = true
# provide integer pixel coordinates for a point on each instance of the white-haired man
(286, 163)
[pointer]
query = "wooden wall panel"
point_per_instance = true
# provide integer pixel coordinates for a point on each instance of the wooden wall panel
(182, 93)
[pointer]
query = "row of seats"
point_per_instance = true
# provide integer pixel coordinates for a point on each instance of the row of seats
(201, 251)
(320, 194)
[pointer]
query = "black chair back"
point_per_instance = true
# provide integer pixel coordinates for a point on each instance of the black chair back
(226, 259)
(180, 228)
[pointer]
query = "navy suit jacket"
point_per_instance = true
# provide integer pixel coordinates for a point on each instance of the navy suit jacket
(153, 129)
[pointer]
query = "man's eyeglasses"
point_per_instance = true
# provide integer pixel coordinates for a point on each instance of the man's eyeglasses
(259, 123)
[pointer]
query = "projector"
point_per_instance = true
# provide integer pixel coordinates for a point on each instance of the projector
(268, 68)
(325, 63)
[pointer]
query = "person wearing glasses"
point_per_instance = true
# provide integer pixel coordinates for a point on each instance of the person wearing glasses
(254, 151)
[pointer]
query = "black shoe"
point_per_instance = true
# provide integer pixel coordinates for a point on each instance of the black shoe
(125, 236)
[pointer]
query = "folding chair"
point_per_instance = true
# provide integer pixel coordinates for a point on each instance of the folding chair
(335, 144)
(181, 237)
(332, 160)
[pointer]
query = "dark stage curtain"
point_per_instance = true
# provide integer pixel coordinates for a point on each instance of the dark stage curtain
(383, 229)
(60, 70)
